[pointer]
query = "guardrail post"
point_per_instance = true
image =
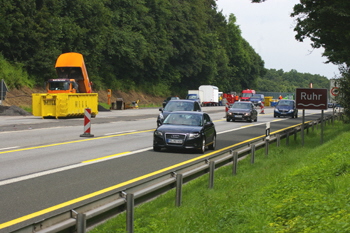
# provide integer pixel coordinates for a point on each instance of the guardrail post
(266, 147)
(81, 223)
(211, 174)
(130, 212)
(278, 140)
(252, 150)
(307, 128)
(235, 160)
(295, 134)
(287, 138)
(179, 181)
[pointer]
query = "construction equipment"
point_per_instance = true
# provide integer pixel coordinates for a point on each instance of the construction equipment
(68, 95)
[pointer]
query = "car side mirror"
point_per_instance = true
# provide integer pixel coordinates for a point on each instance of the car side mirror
(161, 109)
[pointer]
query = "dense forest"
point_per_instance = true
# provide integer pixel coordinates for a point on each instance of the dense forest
(160, 47)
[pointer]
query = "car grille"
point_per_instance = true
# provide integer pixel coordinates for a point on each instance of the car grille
(175, 136)
(283, 110)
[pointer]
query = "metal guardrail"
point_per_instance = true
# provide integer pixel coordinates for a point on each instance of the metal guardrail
(89, 215)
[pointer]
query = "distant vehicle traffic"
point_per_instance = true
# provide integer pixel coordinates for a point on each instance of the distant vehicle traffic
(242, 110)
(246, 94)
(195, 95)
(286, 108)
(185, 130)
(210, 95)
(177, 105)
(256, 99)
(168, 99)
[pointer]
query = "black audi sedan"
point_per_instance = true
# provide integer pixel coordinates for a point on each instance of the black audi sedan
(177, 105)
(242, 110)
(185, 130)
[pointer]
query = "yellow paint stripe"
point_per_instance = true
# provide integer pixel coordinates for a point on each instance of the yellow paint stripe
(83, 140)
(105, 157)
(244, 126)
(91, 195)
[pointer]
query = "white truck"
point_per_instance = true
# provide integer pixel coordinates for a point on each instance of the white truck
(210, 95)
(195, 95)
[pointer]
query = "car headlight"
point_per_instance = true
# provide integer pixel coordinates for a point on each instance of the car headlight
(291, 110)
(247, 114)
(158, 133)
(193, 135)
(161, 117)
(276, 110)
(229, 113)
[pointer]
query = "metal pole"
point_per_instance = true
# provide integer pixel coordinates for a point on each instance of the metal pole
(179, 181)
(266, 147)
(252, 159)
(278, 140)
(322, 124)
(235, 159)
(287, 138)
(1, 90)
(130, 212)
(211, 174)
(302, 129)
(81, 223)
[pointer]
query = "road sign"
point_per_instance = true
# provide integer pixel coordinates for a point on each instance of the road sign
(310, 98)
(335, 91)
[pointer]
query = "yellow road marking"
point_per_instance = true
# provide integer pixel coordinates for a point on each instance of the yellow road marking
(76, 141)
(105, 157)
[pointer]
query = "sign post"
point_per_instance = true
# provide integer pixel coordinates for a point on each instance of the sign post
(310, 98)
(3, 90)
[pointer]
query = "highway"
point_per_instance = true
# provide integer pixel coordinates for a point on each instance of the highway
(46, 167)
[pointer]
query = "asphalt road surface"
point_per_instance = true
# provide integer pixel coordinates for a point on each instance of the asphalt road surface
(46, 167)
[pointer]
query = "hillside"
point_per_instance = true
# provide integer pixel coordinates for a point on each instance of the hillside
(23, 97)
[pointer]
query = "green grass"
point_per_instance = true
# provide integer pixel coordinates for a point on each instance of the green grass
(293, 189)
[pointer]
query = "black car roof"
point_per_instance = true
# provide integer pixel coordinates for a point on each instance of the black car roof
(183, 100)
(188, 112)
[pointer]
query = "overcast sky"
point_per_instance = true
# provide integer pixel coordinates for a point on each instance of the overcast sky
(268, 28)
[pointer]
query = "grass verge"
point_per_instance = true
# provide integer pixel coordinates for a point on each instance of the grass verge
(293, 189)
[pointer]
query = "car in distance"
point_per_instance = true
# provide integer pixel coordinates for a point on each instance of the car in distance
(168, 99)
(286, 108)
(257, 99)
(177, 105)
(185, 130)
(242, 110)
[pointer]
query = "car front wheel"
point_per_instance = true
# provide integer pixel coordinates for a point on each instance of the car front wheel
(202, 149)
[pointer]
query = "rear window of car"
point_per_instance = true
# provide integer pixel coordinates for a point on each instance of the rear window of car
(179, 106)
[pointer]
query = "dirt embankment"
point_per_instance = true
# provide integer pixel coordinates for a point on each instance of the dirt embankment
(17, 98)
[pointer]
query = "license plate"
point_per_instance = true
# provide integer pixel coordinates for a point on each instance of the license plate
(238, 116)
(175, 141)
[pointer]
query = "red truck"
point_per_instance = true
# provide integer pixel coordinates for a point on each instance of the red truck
(246, 94)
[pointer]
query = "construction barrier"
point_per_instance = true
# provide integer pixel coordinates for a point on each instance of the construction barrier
(87, 124)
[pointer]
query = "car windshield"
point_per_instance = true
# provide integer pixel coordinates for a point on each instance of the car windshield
(241, 105)
(285, 103)
(247, 94)
(184, 119)
(178, 106)
(192, 97)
